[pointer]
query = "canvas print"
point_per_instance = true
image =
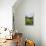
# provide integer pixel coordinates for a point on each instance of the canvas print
(28, 20)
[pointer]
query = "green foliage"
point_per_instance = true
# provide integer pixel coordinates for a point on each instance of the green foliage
(29, 20)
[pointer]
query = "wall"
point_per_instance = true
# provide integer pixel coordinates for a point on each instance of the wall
(25, 8)
(6, 16)
(43, 22)
(6, 13)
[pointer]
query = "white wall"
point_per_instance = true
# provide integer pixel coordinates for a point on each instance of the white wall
(26, 7)
(6, 13)
(43, 22)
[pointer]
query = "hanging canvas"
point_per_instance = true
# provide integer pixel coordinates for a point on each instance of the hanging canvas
(28, 20)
